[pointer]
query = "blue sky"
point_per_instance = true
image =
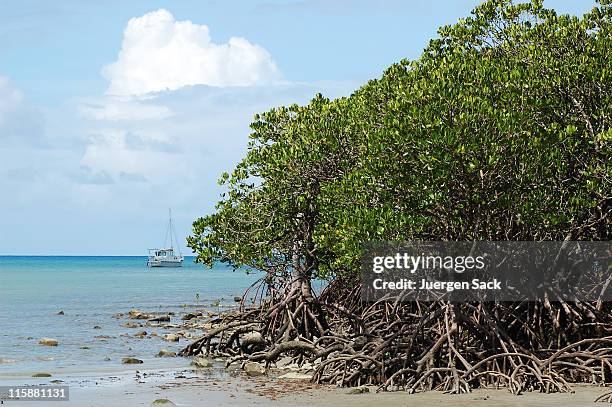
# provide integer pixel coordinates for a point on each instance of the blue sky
(111, 112)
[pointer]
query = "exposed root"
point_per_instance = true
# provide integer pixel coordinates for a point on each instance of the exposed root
(418, 346)
(604, 398)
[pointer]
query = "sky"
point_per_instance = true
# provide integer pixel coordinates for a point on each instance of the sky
(112, 112)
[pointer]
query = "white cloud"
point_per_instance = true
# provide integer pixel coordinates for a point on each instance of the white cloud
(159, 53)
(120, 109)
(18, 120)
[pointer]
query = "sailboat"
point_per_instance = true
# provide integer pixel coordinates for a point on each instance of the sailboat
(166, 257)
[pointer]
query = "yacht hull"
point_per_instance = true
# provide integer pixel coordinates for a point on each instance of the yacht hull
(163, 263)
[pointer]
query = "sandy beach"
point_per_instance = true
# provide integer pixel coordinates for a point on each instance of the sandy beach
(197, 390)
(176, 379)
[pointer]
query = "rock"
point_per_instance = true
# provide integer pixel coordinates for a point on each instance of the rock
(189, 316)
(141, 334)
(162, 403)
(252, 338)
(97, 327)
(237, 299)
(136, 314)
(215, 303)
(163, 318)
(165, 353)
(131, 325)
(171, 337)
(131, 361)
(48, 342)
(60, 313)
(359, 342)
(358, 390)
(42, 374)
(84, 347)
(254, 369)
(295, 376)
(202, 362)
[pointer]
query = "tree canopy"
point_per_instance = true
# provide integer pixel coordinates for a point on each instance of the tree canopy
(499, 131)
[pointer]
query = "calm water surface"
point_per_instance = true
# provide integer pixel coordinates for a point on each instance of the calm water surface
(90, 290)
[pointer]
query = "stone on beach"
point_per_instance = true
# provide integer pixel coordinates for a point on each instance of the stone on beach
(131, 361)
(171, 337)
(165, 353)
(201, 361)
(254, 369)
(358, 390)
(162, 403)
(48, 342)
(136, 314)
(42, 374)
(163, 318)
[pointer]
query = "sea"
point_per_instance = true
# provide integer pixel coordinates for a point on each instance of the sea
(91, 290)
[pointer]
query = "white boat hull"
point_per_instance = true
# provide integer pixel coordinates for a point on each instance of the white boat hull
(164, 263)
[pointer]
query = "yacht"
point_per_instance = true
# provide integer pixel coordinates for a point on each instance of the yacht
(166, 257)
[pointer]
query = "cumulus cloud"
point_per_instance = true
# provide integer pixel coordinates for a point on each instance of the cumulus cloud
(159, 53)
(119, 109)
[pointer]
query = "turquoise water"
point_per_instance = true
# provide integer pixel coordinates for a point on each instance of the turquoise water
(90, 290)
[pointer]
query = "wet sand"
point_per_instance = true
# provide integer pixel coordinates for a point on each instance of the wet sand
(191, 389)
(115, 385)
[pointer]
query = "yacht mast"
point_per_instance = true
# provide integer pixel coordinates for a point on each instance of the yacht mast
(170, 228)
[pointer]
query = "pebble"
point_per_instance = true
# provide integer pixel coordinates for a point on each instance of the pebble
(131, 361)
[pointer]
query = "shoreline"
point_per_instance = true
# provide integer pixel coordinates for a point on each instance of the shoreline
(198, 390)
(176, 379)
